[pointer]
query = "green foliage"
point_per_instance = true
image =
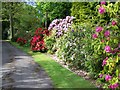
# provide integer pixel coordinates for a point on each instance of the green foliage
(82, 13)
(53, 10)
(25, 20)
(24, 16)
(98, 45)
(50, 41)
(70, 47)
(79, 50)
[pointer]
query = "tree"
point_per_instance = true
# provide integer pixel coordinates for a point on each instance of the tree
(53, 10)
(8, 11)
(21, 16)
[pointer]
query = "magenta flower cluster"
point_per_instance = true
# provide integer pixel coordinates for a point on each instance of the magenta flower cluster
(108, 77)
(104, 61)
(110, 52)
(107, 49)
(101, 10)
(107, 33)
(113, 86)
(61, 25)
(99, 29)
(114, 23)
(95, 36)
(103, 2)
(101, 75)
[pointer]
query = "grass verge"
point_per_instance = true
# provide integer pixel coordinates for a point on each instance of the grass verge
(60, 76)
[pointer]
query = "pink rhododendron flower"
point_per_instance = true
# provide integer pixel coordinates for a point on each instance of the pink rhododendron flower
(99, 29)
(108, 77)
(119, 45)
(107, 48)
(102, 2)
(118, 55)
(114, 51)
(104, 61)
(108, 38)
(101, 75)
(107, 33)
(114, 23)
(95, 36)
(101, 10)
(102, 41)
(61, 25)
(113, 86)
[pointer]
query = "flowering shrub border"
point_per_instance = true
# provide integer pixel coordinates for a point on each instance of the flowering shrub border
(21, 41)
(61, 25)
(103, 42)
(37, 42)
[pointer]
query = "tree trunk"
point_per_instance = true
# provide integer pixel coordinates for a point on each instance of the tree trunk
(11, 26)
(46, 16)
(11, 22)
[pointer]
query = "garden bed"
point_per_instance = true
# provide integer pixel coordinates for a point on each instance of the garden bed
(79, 72)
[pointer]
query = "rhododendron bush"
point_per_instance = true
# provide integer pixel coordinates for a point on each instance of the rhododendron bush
(70, 47)
(106, 45)
(61, 26)
(37, 41)
(58, 28)
(21, 41)
(92, 46)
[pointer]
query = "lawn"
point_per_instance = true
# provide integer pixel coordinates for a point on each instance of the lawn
(61, 77)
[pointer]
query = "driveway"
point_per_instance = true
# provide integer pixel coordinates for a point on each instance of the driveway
(20, 71)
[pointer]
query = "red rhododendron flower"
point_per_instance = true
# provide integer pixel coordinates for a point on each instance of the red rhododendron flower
(39, 29)
(37, 42)
(46, 32)
(21, 41)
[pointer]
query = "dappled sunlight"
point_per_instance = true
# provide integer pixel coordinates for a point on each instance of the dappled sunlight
(55, 71)
(22, 71)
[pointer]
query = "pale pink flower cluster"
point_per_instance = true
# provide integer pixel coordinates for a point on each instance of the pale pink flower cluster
(61, 25)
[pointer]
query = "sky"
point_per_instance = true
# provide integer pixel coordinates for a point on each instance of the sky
(31, 2)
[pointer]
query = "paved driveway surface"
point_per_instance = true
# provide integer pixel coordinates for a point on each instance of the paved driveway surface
(20, 71)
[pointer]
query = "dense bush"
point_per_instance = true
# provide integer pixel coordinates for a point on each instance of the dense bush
(93, 45)
(84, 14)
(37, 41)
(21, 41)
(106, 46)
(58, 28)
(70, 46)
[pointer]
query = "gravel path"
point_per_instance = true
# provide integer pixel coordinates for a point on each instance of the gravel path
(20, 71)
